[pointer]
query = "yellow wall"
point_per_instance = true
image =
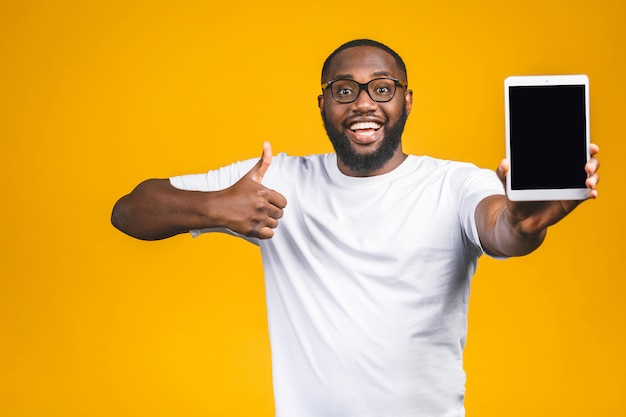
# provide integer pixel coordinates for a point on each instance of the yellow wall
(96, 96)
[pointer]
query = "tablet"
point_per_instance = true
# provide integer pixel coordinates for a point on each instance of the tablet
(547, 137)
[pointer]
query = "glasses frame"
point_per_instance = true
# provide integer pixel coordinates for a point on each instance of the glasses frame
(364, 86)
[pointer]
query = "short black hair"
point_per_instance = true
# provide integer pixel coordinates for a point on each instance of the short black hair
(365, 42)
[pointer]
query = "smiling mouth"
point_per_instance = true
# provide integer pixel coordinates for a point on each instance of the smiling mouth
(365, 126)
(364, 132)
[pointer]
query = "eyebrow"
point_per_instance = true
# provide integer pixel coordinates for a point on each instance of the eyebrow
(351, 77)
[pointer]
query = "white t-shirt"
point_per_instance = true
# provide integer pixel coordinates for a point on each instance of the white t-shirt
(367, 283)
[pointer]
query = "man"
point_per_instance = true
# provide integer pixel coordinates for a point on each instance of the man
(368, 267)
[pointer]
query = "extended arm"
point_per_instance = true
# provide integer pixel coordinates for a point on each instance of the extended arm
(156, 210)
(508, 228)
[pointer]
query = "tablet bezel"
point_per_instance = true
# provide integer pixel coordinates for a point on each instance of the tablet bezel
(551, 193)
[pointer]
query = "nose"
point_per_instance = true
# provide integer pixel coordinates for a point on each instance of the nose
(364, 101)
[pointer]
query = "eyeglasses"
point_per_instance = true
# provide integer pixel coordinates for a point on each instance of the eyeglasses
(380, 90)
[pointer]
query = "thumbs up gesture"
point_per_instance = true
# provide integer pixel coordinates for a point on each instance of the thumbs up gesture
(250, 208)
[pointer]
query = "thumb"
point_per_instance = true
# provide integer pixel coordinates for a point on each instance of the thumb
(258, 171)
(503, 170)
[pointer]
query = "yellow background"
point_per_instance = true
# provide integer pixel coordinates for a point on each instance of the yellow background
(97, 96)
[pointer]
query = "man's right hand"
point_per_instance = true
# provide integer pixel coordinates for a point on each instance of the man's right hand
(248, 207)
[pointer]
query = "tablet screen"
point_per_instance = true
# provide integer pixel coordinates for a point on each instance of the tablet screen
(548, 139)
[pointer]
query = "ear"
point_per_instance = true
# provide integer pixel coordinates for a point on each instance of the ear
(320, 101)
(408, 101)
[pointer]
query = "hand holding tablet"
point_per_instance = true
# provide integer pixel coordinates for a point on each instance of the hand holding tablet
(547, 137)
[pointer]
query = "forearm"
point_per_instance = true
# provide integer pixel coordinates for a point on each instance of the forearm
(512, 239)
(502, 234)
(157, 210)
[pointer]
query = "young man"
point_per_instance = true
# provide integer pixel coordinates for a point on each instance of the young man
(368, 267)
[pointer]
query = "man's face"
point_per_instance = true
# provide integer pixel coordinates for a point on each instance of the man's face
(366, 134)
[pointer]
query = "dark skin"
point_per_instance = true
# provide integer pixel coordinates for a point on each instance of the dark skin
(156, 210)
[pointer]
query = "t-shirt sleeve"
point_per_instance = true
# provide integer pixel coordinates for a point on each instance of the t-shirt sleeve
(477, 184)
(215, 180)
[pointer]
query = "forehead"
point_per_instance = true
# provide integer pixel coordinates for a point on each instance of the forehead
(362, 63)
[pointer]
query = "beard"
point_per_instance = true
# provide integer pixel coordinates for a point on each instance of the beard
(365, 163)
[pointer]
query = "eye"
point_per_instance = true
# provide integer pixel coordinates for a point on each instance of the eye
(382, 88)
(343, 88)
(344, 91)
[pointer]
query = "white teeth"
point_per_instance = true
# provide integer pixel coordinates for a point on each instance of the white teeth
(365, 125)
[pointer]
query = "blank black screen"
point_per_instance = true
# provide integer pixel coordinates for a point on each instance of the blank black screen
(547, 137)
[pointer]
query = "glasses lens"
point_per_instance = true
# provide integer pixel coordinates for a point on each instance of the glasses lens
(345, 91)
(379, 89)
(382, 89)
